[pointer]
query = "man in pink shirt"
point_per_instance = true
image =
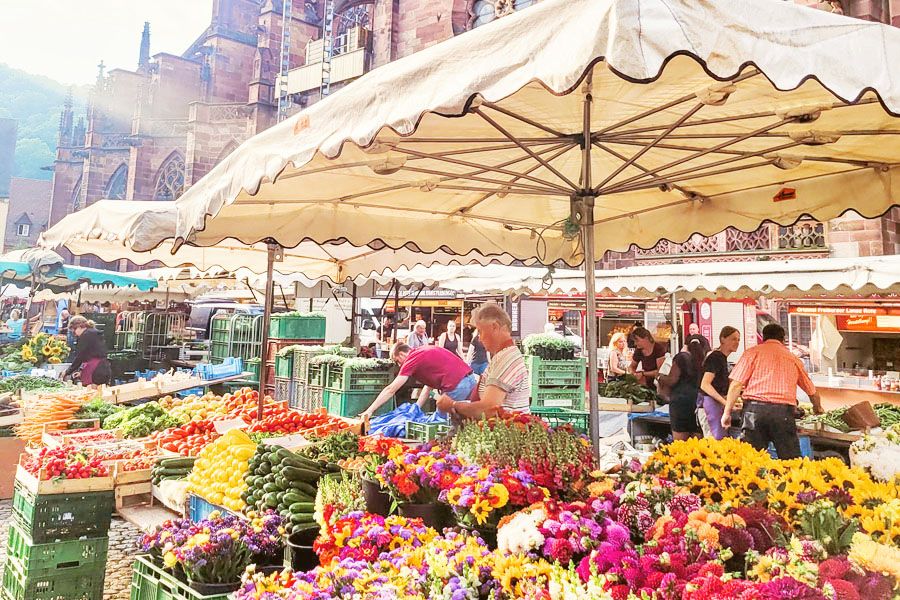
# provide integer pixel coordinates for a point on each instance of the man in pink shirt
(767, 377)
(435, 367)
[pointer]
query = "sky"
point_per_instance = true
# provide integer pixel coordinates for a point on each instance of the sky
(66, 39)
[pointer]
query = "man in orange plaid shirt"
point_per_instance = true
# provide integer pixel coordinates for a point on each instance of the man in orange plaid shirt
(767, 377)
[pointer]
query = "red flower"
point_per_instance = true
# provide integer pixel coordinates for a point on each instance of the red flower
(843, 590)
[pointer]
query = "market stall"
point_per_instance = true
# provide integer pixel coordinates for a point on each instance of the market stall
(603, 124)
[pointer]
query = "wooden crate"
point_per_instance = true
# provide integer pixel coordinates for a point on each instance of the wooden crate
(63, 486)
(133, 493)
(624, 405)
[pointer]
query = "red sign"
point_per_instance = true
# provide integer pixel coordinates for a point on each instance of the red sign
(841, 310)
(870, 323)
(785, 194)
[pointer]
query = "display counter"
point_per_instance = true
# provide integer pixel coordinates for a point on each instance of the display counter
(845, 391)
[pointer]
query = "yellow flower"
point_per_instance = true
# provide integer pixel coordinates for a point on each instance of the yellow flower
(871, 555)
(481, 509)
(169, 560)
(499, 495)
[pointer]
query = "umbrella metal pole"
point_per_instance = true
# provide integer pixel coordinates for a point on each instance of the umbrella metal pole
(673, 343)
(273, 250)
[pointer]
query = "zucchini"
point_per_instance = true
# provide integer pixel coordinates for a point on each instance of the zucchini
(303, 527)
(302, 507)
(293, 497)
(300, 462)
(169, 463)
(295, 474)
(300, 518)
(304, 488)
(263, 469)
(270, 488)
(271, 500)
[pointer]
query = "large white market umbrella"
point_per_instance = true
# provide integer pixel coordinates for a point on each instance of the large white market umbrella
(626, 121)
(801, 278)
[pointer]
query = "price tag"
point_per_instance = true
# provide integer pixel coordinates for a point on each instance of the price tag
(229, 424)
(294, 440)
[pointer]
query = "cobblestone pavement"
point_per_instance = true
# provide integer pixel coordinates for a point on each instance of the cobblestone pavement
(122, 539)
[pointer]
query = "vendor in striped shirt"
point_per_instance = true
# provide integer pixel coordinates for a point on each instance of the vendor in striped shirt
(504, 384)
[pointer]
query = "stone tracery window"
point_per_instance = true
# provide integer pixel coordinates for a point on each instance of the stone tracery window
(170, 179)
(115, 187)
(76, 196)
(485, 11)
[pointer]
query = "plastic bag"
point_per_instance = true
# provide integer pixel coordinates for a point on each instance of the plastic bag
(393, 424)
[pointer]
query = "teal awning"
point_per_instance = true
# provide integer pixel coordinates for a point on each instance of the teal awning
(48, 272)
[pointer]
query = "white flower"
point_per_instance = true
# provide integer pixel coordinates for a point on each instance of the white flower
(521, 533)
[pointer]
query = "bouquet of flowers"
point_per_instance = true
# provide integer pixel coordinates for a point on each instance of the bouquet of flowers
(44, 348)
(481, 496)
(419, 476)
(557, 459)
(560, 532)
(377, 451)
(217, 549)
(364, 536)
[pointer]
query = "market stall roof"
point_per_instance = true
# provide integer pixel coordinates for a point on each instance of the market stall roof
(700, 114)
(774, 278)
(39, 268)
(120, 229)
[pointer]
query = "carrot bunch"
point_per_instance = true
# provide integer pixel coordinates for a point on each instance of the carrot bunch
(50, 410)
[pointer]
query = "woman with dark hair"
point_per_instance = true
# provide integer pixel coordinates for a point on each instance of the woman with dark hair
(649, 354)
(683, 385)
(90, 353)
(714, 384)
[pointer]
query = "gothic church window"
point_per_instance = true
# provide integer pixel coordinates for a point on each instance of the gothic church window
(76, 197)
(115, 188)
(486, 11)
(170, 179)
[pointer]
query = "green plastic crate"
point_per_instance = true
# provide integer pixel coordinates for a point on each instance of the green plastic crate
(76, 583)
(556, 417)
(284, 365)
(56, 555)
(351, 404)
(297, 327)
(556, 373)
(150, 582)
(557, 398)
(252, 366)
(426, 432)
(357, 381)
(318, 374)
(52, 517)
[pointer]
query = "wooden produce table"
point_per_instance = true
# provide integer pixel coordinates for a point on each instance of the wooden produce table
(110, 395)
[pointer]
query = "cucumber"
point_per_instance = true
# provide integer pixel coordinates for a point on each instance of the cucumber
(271, 500)
(300, 462)
(303, 527)
(293, 497)
(264, 469)
(302, 507)
(282, 483)
(300, 518)
(270, 488)
(304, 488)
(177, 463)
(307, 475)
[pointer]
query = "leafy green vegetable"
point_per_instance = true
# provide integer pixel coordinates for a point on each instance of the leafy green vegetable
(549, 346)
(142, 420)
(27, 382)
(628, 388)
(97, 409)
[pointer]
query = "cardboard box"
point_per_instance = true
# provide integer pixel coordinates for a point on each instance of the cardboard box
(10, 449)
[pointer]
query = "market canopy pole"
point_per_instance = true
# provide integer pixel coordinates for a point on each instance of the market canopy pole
(275, 253)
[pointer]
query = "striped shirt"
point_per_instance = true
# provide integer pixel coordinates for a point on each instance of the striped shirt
(770, 373)
(507, 371)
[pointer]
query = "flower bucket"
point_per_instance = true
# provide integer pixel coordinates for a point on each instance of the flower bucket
(299, 550)
(378, 502)
(214, 589)
(487, 534)
(436, 516)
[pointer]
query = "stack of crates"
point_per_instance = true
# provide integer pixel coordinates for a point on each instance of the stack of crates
(286, 330)
(305, 398)
(556, 383)
(349, 392)
(57, 545)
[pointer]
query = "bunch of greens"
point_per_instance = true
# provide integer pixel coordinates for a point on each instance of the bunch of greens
(97, 409)
(628, 388)
(327, 359)
(27, 383)
(832, 418)
(142, 420)
(11, 357)
(335, 446)
(549, 346)
(888, 414)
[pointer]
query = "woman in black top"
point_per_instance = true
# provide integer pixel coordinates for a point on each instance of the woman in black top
(714, 384)
(477, 356)
(683, 383)
(649, 354)
(450, 341)
(90, 353)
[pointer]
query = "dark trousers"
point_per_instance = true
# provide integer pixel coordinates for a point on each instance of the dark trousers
(765, 422)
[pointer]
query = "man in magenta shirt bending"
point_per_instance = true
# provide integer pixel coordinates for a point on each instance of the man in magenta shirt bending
(435, 367)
